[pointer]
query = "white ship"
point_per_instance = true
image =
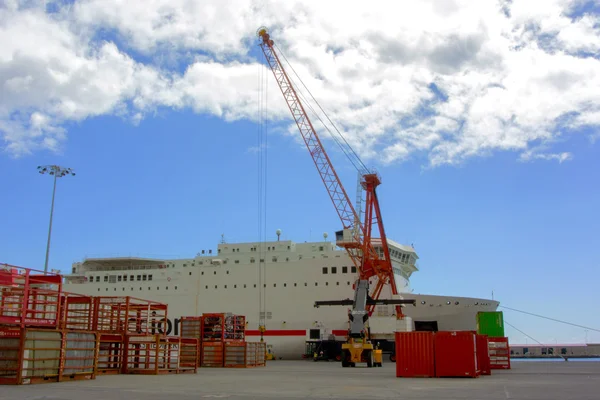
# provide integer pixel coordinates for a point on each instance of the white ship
(275, 283)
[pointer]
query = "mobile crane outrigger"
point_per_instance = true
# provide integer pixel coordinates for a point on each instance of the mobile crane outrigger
(356, 236)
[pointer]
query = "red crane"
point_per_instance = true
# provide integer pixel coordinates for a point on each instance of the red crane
(356, 237)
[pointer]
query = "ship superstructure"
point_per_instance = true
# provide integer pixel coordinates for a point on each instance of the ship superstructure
(294, 276)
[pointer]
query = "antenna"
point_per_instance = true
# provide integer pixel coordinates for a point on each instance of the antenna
(325, 236)
(223, 238)
(278, 232)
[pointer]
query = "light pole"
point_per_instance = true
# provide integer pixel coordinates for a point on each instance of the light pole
(58, 172)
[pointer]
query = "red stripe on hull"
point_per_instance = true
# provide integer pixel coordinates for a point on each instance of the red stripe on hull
(277, 332)
(339, 332)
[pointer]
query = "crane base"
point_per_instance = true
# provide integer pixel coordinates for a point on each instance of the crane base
(355, 352)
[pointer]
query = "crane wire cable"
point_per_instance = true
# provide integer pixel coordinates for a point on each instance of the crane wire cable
(357, 158)
(354, 160)
(317, 116)
(264, 250)
(530, 337)
(259, 181)
(552, 319)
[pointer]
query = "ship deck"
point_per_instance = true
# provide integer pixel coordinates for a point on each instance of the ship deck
(306, 379)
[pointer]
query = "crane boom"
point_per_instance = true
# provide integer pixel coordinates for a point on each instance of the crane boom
(356, 237)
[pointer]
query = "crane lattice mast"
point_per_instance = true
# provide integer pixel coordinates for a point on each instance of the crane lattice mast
(357, 240)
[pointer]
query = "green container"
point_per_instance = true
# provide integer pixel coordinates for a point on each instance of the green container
(490, 323)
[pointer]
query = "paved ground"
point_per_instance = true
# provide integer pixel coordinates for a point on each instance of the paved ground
(291, 380)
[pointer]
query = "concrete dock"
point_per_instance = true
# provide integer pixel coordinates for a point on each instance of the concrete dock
(293, 380)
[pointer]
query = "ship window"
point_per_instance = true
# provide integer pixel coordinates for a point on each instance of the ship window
(97, 279)
(206, 286)
(264, 285)
(288, 247)
(190, 273)
(119, 278)
(166, 288)
(139, 277)
(287, 259)
(107, 289)
(227, 272)
(106, 278)
(140, 288)
(305, 284)
(262, 260)
(235, 286)
(175, 287)
(144, 277)
(214, 272)
(132, 288)
(237, 261)
(316, 283)
(98, 289)
(326, 283)
(215, 286)
(320, 248)
(353, 270)
(131, 278)
(295, 284)
(255, 285)
(91, 279)
(185, 265)
(334, 270)
(324, 270)
(148, 287)
(202, 273)
(285, 285)
(114, 289)
(123, 289)
(225, 286)
(274, 285)
(348, 283)
(157, 288)
(337, 284)
(274, 259)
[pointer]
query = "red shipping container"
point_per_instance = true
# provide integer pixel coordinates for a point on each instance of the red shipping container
(455, 354)
(415, 354)
(483, 355)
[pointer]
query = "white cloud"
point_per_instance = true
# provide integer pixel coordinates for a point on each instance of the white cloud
(452, 79)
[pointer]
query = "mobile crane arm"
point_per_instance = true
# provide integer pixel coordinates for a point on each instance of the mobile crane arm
(358, 241)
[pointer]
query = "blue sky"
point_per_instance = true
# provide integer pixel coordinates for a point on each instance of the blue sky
(486, 210)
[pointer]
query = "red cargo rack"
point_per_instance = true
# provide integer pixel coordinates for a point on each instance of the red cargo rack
(33, 355)
(223, 327)
(190, 327)
(79, 355)
(29, 297)
(244, 354)
(76, 312)
(234, 355)
(110, 354)
(189, 355)
(129, 315)
(499, 353)
(212, 354)
(153, 355)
